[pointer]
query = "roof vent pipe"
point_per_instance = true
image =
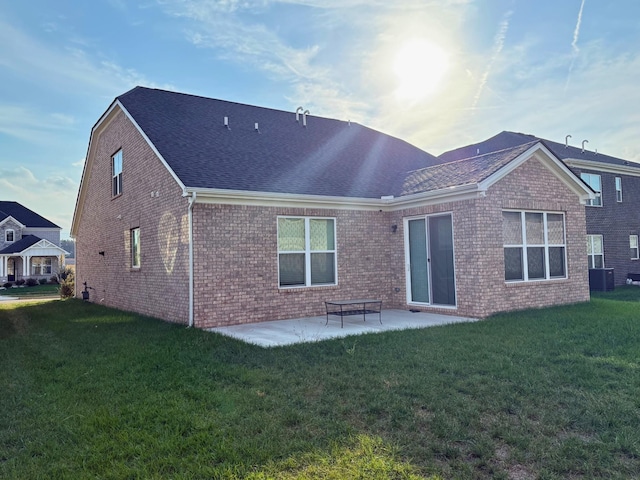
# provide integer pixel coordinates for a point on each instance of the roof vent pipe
(226, 123)
(256, 127)
(566, 141)
(304, 118)
(298, 110)
(583, 142)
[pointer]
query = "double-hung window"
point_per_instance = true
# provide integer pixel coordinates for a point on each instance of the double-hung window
(9, 236)
(41, 266)
(595, 182)
(619, 189)
(116, 174)
(534, 246)
(633, 245)
(595, 251)
(306, 251)
(135, 248)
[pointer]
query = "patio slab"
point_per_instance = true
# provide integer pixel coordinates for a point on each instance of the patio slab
(313, 329)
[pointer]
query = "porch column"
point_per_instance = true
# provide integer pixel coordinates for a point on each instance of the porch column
(3, 267)
(25, 265)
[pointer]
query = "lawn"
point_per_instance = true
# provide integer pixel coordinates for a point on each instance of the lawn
(35, 291)
(91, 392)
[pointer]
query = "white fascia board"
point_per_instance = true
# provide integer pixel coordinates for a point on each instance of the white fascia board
(288, 200)
(630, 170)
(553, 164)
(43, 248)
(11, 218)
(271, 199)
(104, 120)
(151, 145)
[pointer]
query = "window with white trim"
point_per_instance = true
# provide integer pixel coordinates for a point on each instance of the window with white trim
(135, 248)
(306, 251)
(116, 173)
(619, 189)
(595, 182)
(633, 246)
(41, 266)
(534, 246)
(9, 235)
(595, 251)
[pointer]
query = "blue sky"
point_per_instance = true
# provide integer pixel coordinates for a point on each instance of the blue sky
(548, 68)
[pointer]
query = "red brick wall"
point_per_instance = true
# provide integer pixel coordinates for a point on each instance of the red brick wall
(478, 245)
(160, 286)
(236, 264)
(235, 247)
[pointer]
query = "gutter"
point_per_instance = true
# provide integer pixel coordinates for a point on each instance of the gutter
(192, 201)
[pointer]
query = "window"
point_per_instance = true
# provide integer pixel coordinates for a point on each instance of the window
(116, 173)
(41, 266)
(618, 189)
(633, 245)
(534, 246)
(595, 251)
(306, 251)
(135, 247)
(9, 236)
(594, 181)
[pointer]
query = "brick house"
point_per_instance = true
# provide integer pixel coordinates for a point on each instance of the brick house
(214, 213)
(613, 216)
(29, 244)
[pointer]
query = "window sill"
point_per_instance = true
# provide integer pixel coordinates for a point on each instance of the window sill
(304, 288)
(528, 283)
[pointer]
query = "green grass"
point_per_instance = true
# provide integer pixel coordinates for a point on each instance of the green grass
(35, 291)
(91, 392)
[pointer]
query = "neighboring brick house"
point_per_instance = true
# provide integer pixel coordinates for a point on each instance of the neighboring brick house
(214, 213)
(613, 217)
(29, 244)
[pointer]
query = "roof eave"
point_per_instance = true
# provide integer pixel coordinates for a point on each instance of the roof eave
(385, 203)
(551, 162)
(631, 169)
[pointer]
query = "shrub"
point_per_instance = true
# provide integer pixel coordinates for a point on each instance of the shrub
(31, 282)
(20, 282)
(54, 279)
(7, 284)
(43, 281)
(68, 283)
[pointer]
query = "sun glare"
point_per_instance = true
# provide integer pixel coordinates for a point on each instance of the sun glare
(419, 67)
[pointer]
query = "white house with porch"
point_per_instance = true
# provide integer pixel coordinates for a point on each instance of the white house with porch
(29, 244)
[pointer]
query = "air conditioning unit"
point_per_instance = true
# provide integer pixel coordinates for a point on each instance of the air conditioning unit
(601, 279)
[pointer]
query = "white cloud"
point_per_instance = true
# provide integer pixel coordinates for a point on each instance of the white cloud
(69, 68)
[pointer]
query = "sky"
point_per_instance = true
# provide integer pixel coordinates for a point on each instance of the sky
(439, 74)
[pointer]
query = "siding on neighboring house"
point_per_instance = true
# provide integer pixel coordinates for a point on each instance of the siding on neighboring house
(47, 234)
(160, 286)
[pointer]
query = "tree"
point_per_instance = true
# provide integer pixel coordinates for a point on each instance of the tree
(70, 246)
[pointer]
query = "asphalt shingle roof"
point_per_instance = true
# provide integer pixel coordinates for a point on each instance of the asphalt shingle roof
(508, 139)
(22, 244)
(327, 157)
(23, 215)
(461, 172)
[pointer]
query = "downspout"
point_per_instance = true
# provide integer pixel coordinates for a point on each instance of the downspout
(192, 201)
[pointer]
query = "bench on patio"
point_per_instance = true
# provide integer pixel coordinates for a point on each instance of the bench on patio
(633, 277)
(353, 307)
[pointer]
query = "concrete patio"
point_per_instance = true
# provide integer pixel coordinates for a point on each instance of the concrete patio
(313, 329)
